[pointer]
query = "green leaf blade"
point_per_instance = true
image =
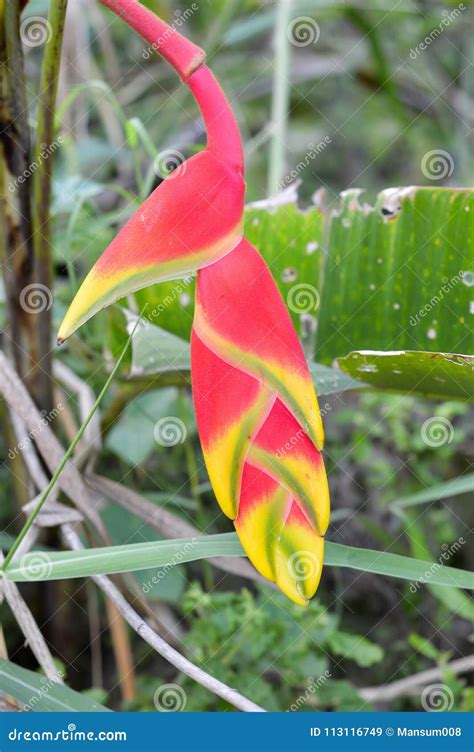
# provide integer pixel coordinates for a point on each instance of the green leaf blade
(400, 272)
(42, 695)
(139, 556)
(428, 374)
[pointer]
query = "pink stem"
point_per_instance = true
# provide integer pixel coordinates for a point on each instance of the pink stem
(223, 137)
(182, 54)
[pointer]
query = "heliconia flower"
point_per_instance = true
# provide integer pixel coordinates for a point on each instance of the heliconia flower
(256, 408)
(259, 422)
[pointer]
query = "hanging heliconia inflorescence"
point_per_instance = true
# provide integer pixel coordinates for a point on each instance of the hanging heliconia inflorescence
(257, 412)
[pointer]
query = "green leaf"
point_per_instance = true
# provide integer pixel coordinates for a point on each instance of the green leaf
(430, 374)
(356, 648)
(330, 380)
(393, 565)
(155, 350)
(454, 487)
(399, 273)
(290, 241)
(455, 601)
(452, 598)
(171, 308)
(126, 558)
(424, 646)
(137, 556)
(339, 695)
(146, 418)
(42, 695)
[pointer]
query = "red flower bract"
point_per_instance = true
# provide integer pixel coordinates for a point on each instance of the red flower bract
(256, 408)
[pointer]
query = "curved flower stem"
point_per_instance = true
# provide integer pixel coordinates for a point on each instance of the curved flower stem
(188, 60)
(183, 55)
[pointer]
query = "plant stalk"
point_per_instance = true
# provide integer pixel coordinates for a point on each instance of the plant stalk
(280, 101)
(43, 158)
(68, 454)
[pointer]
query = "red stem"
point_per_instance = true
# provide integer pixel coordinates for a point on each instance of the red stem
(182, 54)
(223, 137)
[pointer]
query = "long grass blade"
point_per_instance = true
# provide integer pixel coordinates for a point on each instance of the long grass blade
(36, 566)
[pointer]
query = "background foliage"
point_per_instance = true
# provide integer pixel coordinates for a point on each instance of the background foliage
(373, 105)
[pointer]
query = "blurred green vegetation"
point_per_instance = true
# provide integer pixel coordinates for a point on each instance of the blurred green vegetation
(382, 110)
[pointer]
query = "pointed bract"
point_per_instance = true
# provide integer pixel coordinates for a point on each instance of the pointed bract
(192, 219)
(257, 412)
(252, 392)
